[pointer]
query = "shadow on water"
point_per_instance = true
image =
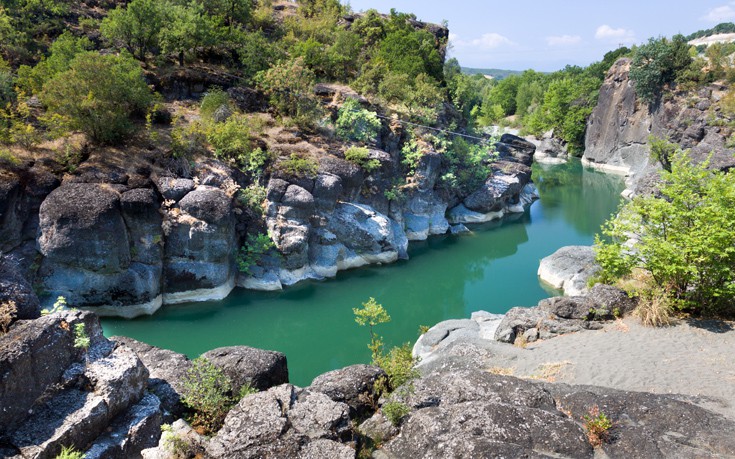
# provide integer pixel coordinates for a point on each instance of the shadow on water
(493, 268)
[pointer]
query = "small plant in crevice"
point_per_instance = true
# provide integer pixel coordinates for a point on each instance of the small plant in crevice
(173, 443)
(395, 412)
(597, 426)
(361, 157)
(207, 390)
(398, 363)
(252, 197)
(299, 166)
(252, 252)
(59, 305)
(81, 338)
(70, 452)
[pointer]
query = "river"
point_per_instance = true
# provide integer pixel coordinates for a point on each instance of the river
(447, 277)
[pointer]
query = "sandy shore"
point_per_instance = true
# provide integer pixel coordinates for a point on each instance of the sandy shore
(695, 358)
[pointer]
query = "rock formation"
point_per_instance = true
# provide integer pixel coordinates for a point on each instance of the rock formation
(619, 127)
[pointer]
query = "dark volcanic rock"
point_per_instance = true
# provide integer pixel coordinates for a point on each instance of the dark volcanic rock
(14, 287)
(352, 385)
(167, 370)
(173, 187)
(206, 203)
(649, 425)
(279, 423)
(246, 365)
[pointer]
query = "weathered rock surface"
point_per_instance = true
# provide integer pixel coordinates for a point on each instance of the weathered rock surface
(167, 370)
(280, 422)
(246, 365)
(353, 385)
(569, 269)
(16, 289)
(55, 394)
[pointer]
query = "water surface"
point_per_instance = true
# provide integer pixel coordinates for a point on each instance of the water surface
(447, 277)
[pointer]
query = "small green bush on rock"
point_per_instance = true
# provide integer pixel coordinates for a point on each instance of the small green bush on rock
(356, 123)
(207, 391)
(361, 157)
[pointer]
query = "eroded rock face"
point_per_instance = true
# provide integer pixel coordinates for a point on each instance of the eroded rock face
(619, 127)
(16, 289)
(92, 256)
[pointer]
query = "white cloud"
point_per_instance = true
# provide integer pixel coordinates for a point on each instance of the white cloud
(720, 14)
(621, 35)
(563, 40)
(485, 42)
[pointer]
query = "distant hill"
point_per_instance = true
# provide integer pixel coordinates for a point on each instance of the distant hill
(498, 74)
(725, 27)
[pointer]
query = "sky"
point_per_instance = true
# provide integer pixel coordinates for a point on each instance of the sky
(547, 35)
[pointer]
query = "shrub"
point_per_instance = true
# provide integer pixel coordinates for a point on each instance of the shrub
(59, 305)
(213, 100)
(683, 239)
(299, 166)
(361, 157)
(230, 139)
(251, 253)
(81, 338)
(356, 123)
(252, 197)
(399, 364)
(597, 426)
(290, 87)
(395, 412)
(7, 157)
(207, 391)
(98, 94)
(173, 443)
(70, 452)
(658, 63)
(371, 314)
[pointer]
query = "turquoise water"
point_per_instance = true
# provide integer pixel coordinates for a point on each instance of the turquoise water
(447, 277)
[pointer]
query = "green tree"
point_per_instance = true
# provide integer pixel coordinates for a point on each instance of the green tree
(62, 51)
(290, 87)
(658, 63)
(231, 11)
(98, 94)
(187, 27)
(684, 239)
(136, 26)
(356, 123)
(371, 314)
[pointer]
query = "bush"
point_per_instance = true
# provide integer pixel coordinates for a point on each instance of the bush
(356, 123)
(395, 412)
(299, 166)
(657, 63)
(70, 452)
(290, 87)
(683, 239)
(361, 157)
(252, 197)
(597, 426)
(207, 391)
(250, 254)
(98, 94)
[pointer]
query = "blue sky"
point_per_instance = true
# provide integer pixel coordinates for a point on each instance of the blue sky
(546, 35)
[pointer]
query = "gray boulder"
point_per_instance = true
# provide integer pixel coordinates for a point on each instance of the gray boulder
(174, 188)
(279, 423)
(353, 385)
(246, 365)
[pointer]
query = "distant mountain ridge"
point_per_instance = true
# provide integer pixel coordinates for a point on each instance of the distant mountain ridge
(497, 74)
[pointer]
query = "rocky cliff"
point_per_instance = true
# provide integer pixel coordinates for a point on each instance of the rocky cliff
(620, 125)
(128, 231)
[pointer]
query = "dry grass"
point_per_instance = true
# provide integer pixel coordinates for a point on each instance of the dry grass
(550, 371)
(501, 371)
(654, 309)
(520, 341)
(8, 311)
